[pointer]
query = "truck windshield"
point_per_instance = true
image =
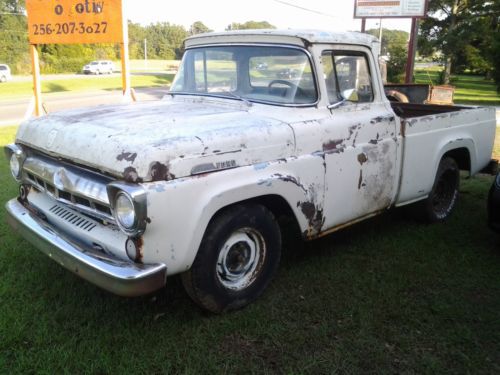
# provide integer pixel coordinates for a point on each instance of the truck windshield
(277, 75)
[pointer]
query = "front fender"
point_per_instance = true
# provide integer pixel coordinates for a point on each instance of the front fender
(179, 211)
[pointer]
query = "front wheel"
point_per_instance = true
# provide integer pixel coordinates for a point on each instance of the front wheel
(444, 194)
(237, 258)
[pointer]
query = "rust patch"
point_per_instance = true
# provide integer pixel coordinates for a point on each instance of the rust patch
(130, 175)
(334, 146)
(380, 119)
(289, 178)
(412, 122)
(128, 156)
(360, 181)
(139, 245)
(375, 141)
(352, 129)
(314, 216)
(160, 172)
(362, 158)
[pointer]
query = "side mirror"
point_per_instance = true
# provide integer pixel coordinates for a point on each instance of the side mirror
(350, 95)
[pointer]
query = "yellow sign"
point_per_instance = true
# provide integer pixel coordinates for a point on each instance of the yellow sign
(74, 21)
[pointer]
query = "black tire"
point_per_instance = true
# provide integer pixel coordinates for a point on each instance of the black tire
(3, 79)
(233, 236)
(444, 194)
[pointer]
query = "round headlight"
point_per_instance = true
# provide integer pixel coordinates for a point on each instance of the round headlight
(124, 211)
(15, 166)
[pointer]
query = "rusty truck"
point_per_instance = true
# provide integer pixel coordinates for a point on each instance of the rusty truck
(127, 195)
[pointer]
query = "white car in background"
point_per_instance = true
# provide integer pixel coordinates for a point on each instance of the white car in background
(99, 67)
(5, 73)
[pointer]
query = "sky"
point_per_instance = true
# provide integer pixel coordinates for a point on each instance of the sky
(334, 15)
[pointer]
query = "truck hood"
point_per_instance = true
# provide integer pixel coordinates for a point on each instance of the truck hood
(160, 140)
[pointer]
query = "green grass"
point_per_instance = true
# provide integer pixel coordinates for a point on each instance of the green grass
(470, 89)
(13, 90)
(385, 296)
(152, 65)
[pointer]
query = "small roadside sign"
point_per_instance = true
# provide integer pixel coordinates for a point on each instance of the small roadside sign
(74, 21)
(390, 8)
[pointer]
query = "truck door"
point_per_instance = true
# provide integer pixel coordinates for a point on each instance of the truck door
(361, 146)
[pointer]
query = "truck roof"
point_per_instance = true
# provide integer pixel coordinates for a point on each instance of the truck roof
(298, 37)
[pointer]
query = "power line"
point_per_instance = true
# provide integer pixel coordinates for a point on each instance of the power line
(306, 9)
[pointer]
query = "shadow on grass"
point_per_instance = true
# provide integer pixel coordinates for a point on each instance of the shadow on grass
(49, 87)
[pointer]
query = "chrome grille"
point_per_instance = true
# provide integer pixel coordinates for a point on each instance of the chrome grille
(79, 189)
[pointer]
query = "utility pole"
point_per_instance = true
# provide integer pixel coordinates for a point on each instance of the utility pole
(412, 48)
(145, 54)
(380, 32)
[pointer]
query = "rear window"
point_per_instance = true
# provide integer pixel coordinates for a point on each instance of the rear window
(3, 67)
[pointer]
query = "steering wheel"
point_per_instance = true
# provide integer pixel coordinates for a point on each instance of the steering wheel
(294, 89)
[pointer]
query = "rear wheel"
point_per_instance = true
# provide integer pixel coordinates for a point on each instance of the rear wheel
(3, 79)
(444, 194)
(237, 259)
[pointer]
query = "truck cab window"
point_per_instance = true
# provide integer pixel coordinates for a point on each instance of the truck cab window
(347, 75)
(330, 78)
(353, 75)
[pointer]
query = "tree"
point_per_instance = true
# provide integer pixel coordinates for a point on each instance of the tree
(198, 28)
(391, 39)
(395, 45)
(136, 36)
(13, 36)
(250, 25)
(165, 40)
(464, 32)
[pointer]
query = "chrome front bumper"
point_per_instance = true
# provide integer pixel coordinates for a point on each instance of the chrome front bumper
(112, 274)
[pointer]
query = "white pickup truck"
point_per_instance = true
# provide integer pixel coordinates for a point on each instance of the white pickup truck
(257, 125)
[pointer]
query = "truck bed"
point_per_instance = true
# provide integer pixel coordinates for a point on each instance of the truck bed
(411, 110)
(431, 131)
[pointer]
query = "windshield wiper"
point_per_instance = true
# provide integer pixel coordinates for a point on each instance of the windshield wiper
(223, 94)
(236, 96)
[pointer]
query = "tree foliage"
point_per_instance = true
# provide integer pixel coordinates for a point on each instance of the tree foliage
(395, 46)
(199, 28)
(250, 25)
(162, 40)
(13, 35)
(465, 32)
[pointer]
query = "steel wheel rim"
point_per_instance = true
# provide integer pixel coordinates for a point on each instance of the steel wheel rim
(240, 259)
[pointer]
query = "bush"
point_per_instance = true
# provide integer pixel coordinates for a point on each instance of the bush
(53, 64)
(397, 64)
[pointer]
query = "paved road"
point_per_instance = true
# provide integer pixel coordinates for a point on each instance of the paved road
(117, 73)
(13, 111)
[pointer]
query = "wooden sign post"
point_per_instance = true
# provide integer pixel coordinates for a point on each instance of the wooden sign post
(76, 22)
